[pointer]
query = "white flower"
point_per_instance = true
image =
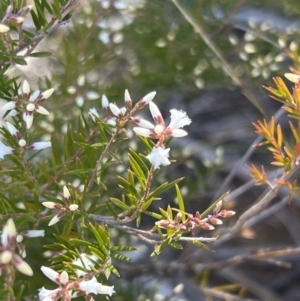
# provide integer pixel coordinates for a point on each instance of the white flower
(31, 102)
(85, 261)
(41, 145)
(49, 295)
(159, 156)
(159, 131)
(94, 287)
(5, 150)
(7, 250)
(34, 233)
(93, 112)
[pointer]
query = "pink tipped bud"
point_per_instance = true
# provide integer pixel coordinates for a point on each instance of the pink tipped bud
(149, 97)
(49, 205)
(46, 94)
(54, 220)
(115, 110)
(215, 221)
(226, 213)
(66, 193)
(22, 266)
(207, 226)
(156, 114)
(218, 207)
(26, 88)
(127, 98)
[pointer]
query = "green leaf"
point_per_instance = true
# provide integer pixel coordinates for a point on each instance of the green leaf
(139, 160)
(123, 248)
(201, 244)
(163, 187)
(211, 207)
(120, 204)
(180, 202)
(41, 54)
(120, 257)
(161, 247)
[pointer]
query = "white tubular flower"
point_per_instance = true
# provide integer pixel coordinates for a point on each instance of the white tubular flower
(93, 112)
(94, 287)
(49, 295)
(34, 233)
(159, 156)
(41, 145)
(86, 262)
(159, 131)
(5, 150)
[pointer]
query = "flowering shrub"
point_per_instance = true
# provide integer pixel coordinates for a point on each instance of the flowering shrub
(38, 179)
(80, 172)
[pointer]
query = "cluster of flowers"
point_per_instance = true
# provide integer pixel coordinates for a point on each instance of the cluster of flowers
(68, 289)
(29, 103)
(158, 131)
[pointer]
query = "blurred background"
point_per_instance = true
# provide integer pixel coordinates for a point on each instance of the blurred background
(213, 69)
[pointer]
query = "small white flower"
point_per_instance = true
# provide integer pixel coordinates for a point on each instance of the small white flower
(85, 261)
(94, 287)
(34, 233)
(41, 145)
(93, 112)
(159, 131)
(7, 253)
(49, 295)
(159, 156)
